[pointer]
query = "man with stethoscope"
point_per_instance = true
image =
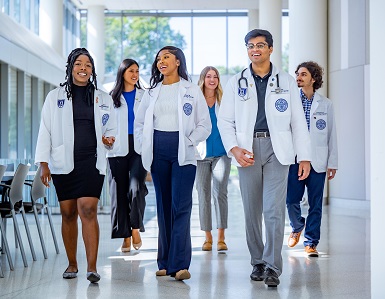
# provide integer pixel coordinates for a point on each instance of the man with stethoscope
(263, 128)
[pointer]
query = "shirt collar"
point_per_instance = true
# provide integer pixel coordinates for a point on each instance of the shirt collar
(266, 76)
(303, 96)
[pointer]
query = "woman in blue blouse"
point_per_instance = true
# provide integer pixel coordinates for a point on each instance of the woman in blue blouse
(214, 166)
(127, 175)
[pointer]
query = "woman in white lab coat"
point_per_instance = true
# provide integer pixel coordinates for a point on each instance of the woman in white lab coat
(127, 176)
(171, 120)
(77, 124)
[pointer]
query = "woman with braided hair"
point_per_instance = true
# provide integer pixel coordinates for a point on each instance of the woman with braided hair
(77, 126)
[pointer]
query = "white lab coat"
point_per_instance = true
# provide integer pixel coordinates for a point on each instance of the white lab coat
(284, 115)
(201, 148)
(55, 141)
(194, 125)
(120, 148)
(323, 134)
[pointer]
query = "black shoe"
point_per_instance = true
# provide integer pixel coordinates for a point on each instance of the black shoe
(271, 278)
(93, 277)
(70, 275)
(258, 273)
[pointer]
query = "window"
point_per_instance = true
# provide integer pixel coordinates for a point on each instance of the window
(28, 118)
(12, 114)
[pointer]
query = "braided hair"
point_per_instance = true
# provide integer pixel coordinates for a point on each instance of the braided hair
(92, 83)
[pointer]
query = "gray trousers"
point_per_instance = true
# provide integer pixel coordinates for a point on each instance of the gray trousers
(263, 189)
(217, 170)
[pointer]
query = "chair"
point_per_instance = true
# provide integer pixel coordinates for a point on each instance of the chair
(2, 231)
(12, 204)
(38, 190)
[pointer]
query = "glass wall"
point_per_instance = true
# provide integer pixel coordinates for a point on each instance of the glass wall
(206, 38)
(71, 27)
(28, 118)
(12, 114)
(24, 12)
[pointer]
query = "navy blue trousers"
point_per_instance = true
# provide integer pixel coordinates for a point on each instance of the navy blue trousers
(173, 188)
(295, 189)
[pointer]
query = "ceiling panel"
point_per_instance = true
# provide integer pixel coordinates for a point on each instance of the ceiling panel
(172, 4)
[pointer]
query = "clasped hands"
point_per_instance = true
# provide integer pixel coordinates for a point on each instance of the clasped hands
(108, 141)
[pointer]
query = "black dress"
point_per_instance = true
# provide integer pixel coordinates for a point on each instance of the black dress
(84, 180)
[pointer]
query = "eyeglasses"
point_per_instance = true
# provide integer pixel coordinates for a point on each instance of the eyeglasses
(259, 46)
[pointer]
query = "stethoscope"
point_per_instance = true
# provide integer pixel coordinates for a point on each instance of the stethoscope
(243, 92)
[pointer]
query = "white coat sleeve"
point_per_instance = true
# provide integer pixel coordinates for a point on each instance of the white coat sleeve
(139, 122)
(43, 144)
(332, 142)
(226, 118)
(301, 136)
(203, 122)
(111, 129)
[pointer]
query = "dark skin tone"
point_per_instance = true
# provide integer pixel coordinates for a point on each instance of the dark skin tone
(84, 207)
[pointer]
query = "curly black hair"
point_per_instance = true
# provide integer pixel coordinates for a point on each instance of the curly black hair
(92, 84)
(316, 72)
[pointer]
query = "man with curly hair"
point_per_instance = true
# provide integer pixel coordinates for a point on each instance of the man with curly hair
(321, 125)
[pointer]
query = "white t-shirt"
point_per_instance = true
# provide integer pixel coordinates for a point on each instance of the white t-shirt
(166, 109)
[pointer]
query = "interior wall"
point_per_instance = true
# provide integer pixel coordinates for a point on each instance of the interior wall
(348, 77)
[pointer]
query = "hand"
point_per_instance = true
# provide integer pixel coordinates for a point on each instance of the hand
(45, 173)
(243, 157)
(109, 141)
(331, 173)
(303, 170)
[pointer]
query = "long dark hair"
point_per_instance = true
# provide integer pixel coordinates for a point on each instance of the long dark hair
(157, 77)
(119, 82)
(92, 83)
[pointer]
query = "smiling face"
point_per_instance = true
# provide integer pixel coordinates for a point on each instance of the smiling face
(82, 70)
(211, 80)
(259, 56)
(131, 75)
(167, 63)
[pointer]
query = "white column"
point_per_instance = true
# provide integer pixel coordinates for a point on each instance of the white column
(253, 15)
(51, 23)
(308, 35)
(377, 146)
(270, 18)
(95, 39)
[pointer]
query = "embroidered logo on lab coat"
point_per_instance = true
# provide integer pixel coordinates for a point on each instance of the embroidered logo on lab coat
(187, 109)
(242, 91)
(281, 105)
(60, 103)
(105, 118)
(320, 124)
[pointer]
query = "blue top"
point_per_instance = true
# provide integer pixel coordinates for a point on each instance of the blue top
(130, 100)
(306, 103)
(214, 145)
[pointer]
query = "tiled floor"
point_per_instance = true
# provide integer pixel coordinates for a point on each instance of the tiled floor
(341, 271)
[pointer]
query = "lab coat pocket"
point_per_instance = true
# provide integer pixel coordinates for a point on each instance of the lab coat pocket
(280, 103)
(322, 156)
(286, 144)
(320, 125)
(57, 157)
(190, 150)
